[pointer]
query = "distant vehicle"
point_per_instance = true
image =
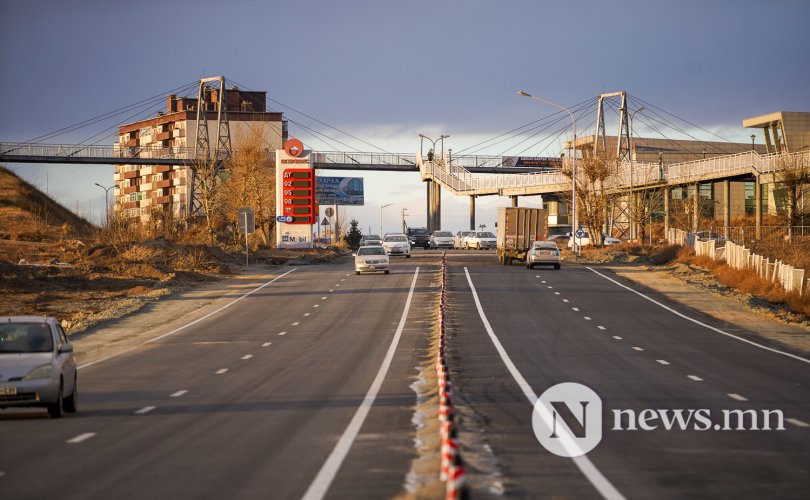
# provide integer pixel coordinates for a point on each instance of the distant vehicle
(441, 239)
(518, 229)
(370, 258)
(711, 236)
(37, 367)
(560, 239)
(396, 244)
(610, 240)
(458, 239)
(543, 252)
(582, 239)
(370, 239)
(418, 237)
(480, 240)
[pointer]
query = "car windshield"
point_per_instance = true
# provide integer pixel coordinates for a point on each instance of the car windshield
(371, 251)
(395, 238)
(25, 337)
(372, 237)
(418, 230)
(443, 234)
(485, 234)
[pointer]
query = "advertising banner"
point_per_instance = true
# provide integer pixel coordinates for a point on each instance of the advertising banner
(339, 190)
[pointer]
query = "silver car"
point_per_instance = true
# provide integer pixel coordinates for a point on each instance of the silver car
(441, 239)
(370, 258)
(543, 252)
(397, 244)
(37, 367)
(481, 240)
(370, 239)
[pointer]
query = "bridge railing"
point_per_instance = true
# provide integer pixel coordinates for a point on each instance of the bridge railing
(11, 149)
(341, 158)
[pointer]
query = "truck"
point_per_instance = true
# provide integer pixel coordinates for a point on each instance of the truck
(518, 229)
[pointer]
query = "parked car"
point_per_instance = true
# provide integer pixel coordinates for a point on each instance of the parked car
(582, 239)
(560, 239)
(370, 239)
(480, 240)
(610, 240)
(458, 239)
(37, 367)
(370, 258)
(441, 239)
(418, 237)
(396, 244)
(543, 252)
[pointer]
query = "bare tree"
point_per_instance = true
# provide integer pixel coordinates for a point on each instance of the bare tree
(793, 173)
(594, 173)
(206, 183)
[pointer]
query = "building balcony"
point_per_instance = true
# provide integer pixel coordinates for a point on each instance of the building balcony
(130, 204)
(131, 143)
(159, 169)
(131, 174)
(163, 184)
(146, 186)
(163, 136)
(163, 200)
(130, 189)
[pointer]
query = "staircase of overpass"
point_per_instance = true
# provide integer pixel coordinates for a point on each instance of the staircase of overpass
(462, 181)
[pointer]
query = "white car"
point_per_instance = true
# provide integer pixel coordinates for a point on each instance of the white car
(582, 239)
(480, 240)
(543, 252)
(370, 239)
(370, 258)
(396, 244)
(441, 239)
(458, 239)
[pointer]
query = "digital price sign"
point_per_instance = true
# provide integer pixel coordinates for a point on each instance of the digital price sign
(298, 195)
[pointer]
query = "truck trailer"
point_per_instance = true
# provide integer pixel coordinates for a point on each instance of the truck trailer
(518, 229)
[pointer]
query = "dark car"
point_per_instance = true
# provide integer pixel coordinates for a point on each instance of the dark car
(418, 237)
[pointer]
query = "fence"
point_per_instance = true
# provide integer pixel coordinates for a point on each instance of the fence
(740, 257)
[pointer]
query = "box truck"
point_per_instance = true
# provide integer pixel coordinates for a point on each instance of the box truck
(518, 229)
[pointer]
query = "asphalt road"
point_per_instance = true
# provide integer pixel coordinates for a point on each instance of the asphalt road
(574, 325)
(304, 387)
(249, 403)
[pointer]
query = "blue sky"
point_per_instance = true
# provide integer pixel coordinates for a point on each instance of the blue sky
(387, 70)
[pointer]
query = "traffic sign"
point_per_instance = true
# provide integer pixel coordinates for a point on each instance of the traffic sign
(325, 222)
(329, 211)
(247, 223)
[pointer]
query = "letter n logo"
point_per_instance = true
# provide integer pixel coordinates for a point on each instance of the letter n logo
(567, 419)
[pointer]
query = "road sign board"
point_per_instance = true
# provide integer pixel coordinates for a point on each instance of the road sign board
(284, 218)
(247, 223)
(325, 222)
(339, 190)
(330, 211)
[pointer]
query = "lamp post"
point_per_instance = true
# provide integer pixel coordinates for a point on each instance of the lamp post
(573, 165)
(753, 137)
(381, 207)
(440, 138)
(106, 203)
(403, 220)
(632, 150)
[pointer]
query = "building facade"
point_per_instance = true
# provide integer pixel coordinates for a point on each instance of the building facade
(143, 190)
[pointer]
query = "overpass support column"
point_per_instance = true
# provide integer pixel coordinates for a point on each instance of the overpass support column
(726, 208)
(429, 196)
(757, 209)
(437, 206)
(514, 200)
(666, 214)
(695, 207)
(472, 212)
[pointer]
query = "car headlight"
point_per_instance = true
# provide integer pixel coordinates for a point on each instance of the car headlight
(44, 371)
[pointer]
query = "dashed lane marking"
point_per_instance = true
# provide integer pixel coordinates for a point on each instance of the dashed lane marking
(600, 327)
(81, 437)
(221, 371)
(324, 298)
(317, 305)
(178, 394)
(575, 309)
(737, 397)
(549, 286)
(247, 356)
(587, 318)
(617, 337)
(144, 410)
(556, 293)
(637, 348)
(543, 281)
(330, 291)
(695, 378)
(282, 333)
(296, 323)
(266, 344)
(794, 421)
(565, 300)
(307, 314)
(662, 361)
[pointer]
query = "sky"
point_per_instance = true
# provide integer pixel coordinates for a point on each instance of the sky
(385, 70)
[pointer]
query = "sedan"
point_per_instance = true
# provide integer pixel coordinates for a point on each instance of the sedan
(458, 239)
(441, 239)
(480, 240)
(370, 239)
(370, 258)
(396, 244)
(543, 252)
(37, 367)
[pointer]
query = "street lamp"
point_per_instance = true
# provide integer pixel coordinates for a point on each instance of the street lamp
(106, 203)
(381, 207)
(441, 138)
(573, 164)
(753, 137)
(403, 220)
(632, 150)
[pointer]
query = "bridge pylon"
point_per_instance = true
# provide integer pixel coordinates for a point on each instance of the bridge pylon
(205, 170)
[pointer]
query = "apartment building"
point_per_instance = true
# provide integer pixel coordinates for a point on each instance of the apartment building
(141, 190)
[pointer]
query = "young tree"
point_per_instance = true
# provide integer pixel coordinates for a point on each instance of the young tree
(593, 174)
(793, 173)
(206, 182)
(352, 237)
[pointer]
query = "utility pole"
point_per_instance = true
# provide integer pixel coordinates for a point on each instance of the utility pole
(403, 219)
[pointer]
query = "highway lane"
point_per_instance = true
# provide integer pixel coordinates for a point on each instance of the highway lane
(573, 325)
(246, 404)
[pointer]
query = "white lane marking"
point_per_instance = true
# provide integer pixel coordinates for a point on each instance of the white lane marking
(323, 298)
(617, 337)
(536, 275)
(330, 291)
(575, 309)
(81, 437)
(663, 361)
(549, 286)
(637, 348)
(144, 410)
(600, 327)
(556, 293)
(344, 279)
(221, 371)
(565, 300)
(247, 356)
(320, 485)
(673, 311)
(347, 274)
(282, 333)
(178, 394)
(588, 469)
(543, 281)
(296, 323)
(587, 318)
(307, 314)
(737, 397)
(338, 284)
(695, 378)
(181, 328)
(797, 422)
(266, 344)
(2, 473)
(317, 305)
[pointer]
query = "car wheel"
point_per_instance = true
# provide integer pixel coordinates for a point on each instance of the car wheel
(386, 271)
(557, 267)
(357, 272)
(530, 266)
(55, 409)
(408, 256)
(72, 401)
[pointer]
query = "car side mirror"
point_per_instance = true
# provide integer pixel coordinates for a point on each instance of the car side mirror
(65, 348)
(354, 255)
